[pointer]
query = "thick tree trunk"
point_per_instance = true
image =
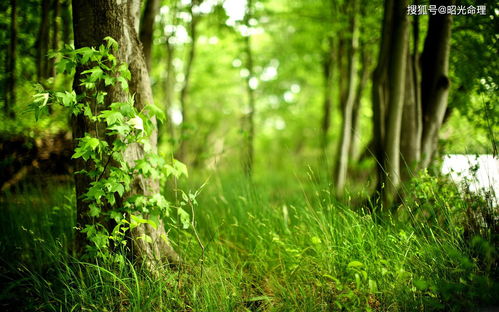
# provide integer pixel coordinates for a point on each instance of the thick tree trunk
(10, 94)
(380, 93)
(340, 173)
(396, 72)
(388, 96)
(249, 123)
(147, 28)
(435, 81)
(93, 21)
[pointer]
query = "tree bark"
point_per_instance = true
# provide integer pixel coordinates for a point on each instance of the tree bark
(249, 123)
(93, 21)
(42, 44)
(435, 81)
(340, 173)
(396, 72)
(10, 94)
(56, 8)
(388, 95)
(147, 29)
(364, 77)
(410, 147)
(327, 69)
(184, 92)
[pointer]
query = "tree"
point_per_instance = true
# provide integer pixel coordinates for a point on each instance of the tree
(340, 173)
(402, 96)
(249, 119)
(147, 29)
(92, 22)
(10, 97)
(184, 92)
(435, 81)
(388, 95)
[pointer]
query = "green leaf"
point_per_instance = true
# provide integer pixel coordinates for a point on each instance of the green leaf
(184, 218)
(355, 264)
(111, 43)
(420, 284)
(111, 117)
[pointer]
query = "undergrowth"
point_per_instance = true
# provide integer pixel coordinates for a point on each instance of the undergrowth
(274, 245)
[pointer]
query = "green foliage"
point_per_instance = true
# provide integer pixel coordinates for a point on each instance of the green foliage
(110, 173)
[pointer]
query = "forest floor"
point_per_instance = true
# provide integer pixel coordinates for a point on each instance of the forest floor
(279, 244)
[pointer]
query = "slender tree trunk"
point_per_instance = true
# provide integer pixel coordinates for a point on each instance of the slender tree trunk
(56, 8)
(170, 84)
(66, 21)
(249, 123)
(93, 21)
(364, 77)
(10, 94)
(147, 28)
(327, 69)
(42, 44)
(340, 173)
(184, 92)
(435, 81)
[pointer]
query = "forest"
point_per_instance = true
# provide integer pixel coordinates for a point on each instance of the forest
(249, 155)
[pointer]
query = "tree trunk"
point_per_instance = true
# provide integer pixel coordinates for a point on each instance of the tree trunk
(184, 92)
(410, 146)
(56, 8)
(435, 81)
(66, 21)
(364, 77)
(340, 173)
(10, 94)
(396, 72)
(249, 124)
(327, 67)
(42, 44)
(388, 96)
(380, 93)
(93, 21)
(147, 29)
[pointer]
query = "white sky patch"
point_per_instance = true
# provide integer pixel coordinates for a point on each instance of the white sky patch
(213, 40)
(176, 115)
(205, 7)
(486, 177)
(269, 73)
(181, 36)
(244, 72)
(295, 88)
(180, 77)
(253, 83)
(235, 10)
(275, 123)
(237, 63)
(274, 101)
(288, 96)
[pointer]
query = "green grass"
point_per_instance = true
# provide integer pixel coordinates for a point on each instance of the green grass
(280, 244)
